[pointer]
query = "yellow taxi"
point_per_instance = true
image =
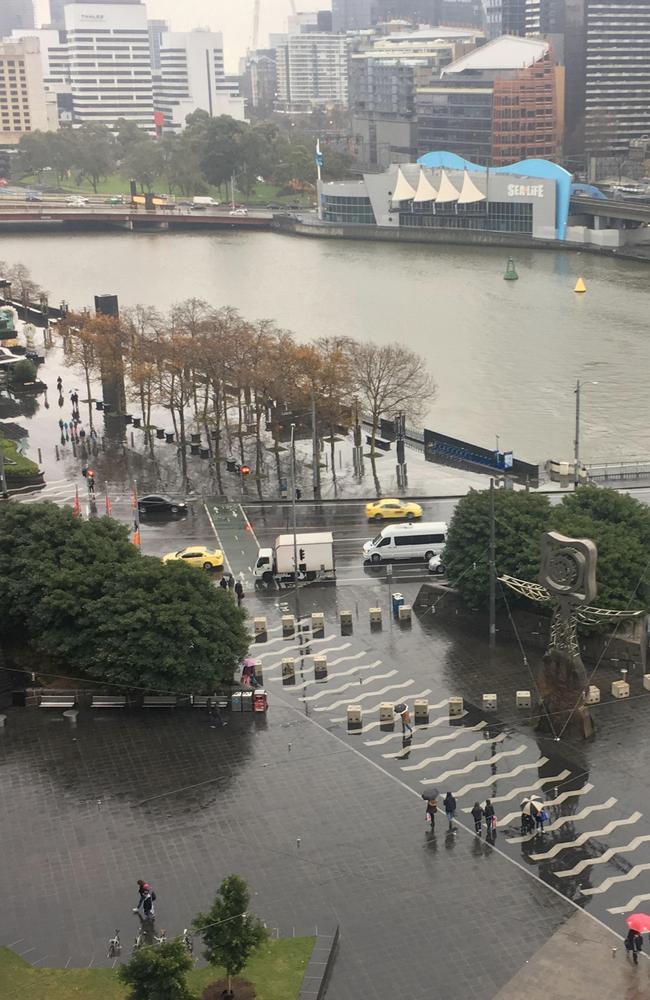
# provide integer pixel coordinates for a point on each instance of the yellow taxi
(380, 510)
(194, 555)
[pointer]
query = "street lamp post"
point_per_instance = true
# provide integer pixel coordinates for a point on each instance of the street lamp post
(576, 443)
(293, 508)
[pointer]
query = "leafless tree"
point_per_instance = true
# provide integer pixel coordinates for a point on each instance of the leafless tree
(388, 379)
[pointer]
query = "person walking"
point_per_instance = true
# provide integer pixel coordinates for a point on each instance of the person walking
(490, 818)
(59, 384)
(223, 583)
(405, 716)
(477, 816)
(541, 817)
(450, 809)
(633, 944)
(432, 809)
(145, 908)
(239, 592)
(231, 582)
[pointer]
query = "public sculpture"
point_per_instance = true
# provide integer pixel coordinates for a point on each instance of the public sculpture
(567, 582)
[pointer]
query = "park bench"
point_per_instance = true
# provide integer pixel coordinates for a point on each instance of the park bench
(159, 701)
(57, 701)
(201, 700)
(108, 701)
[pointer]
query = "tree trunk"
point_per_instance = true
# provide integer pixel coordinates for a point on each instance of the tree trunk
(240, 431)
(333, 452)
(89, 394)
(373, 462)
(259, 454)
(181, 417)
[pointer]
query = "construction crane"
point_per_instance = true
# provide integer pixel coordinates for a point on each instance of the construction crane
(256, 21)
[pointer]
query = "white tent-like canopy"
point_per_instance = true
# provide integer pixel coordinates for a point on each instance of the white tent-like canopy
(469, 191)
(446, 191)
(426, 190)
(403, 190)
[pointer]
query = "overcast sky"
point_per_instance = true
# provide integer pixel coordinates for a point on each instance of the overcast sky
(232, 17)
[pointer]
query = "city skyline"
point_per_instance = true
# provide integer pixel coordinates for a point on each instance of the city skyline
(235, 21)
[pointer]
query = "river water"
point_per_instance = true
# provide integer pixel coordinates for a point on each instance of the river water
(505, 355)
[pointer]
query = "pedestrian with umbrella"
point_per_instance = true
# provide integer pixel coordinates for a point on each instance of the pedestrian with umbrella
(638, 923)
(430, 796)
(530, 806)
(402, 710)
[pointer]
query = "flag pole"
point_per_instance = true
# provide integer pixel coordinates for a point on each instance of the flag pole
(319, 164)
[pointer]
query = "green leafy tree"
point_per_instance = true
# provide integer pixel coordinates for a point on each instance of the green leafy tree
(158, 973)
(23, 371)
(143, 161)
(520, 520)
(617, 523)
(86, 597)
(94, 152)
(230, 934)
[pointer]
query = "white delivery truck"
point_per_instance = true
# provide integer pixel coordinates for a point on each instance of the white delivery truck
(315, 553)
(203, 201)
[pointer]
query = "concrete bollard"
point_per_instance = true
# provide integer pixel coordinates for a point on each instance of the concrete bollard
(646, 682)
(593, 695)
(355, 715)
(3, 719)
(288, 670)
(523, 699)
(374, 615)
(345, 617)
(71, 714)
(489, 703)
(386, 712)
(317, 622)
(259, 625)
(288, 624)
(620, 689)
(404, 613)
(421, 710)
(320, 668)
(455, 707)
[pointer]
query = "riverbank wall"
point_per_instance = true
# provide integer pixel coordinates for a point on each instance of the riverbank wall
(292, 226)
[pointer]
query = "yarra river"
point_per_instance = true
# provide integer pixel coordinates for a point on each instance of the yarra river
(505, 355)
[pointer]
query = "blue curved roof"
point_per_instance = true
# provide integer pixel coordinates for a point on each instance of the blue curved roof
(545, 169)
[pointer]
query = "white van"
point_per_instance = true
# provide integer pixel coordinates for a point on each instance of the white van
(407, 541)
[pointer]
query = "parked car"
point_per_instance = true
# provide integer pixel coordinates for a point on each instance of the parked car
(238, 211)
(157, 503)
(194, 555)
(380, 510)
(115, 199)
(33, 196)
(77, 201)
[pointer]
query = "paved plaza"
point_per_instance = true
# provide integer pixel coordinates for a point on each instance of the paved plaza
(329, 825)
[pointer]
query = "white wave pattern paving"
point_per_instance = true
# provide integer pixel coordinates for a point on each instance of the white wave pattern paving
(473, 766)
(368, 694)
(562, 797)
(453, 753)
(458, 731)
(375, 708)
(583, 838)
(563, 820)
(345, 687)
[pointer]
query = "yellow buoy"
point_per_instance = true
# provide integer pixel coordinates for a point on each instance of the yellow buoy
(580, 286)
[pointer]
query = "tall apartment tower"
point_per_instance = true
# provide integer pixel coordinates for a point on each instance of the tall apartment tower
(15, 15)
(109, 63)
(23, 106)
(350, 15)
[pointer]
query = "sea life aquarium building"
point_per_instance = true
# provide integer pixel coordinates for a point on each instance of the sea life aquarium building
(444, 191)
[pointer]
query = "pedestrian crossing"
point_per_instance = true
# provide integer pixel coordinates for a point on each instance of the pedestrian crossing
(475, 757)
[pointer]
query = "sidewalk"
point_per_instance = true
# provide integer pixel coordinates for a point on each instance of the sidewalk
(576, 958)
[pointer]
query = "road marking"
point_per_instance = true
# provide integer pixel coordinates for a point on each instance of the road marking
(615, 879)
(300, 649)
(283, 638)
(556, 824)
(247, 522)
(453, 753)
(299, 655)
(332, 677)
(500, 777)
(473, 766)
(374, 708)
(216, 535)
(551, 802)
(346, 687)
(434, 739)
(583, 838)
(631, 905)
(439, 721)
(362, 697)
(603, 858)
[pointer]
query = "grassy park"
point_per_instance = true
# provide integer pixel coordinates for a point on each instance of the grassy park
(276, 972)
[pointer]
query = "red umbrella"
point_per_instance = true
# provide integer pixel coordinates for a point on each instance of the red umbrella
(639, 922)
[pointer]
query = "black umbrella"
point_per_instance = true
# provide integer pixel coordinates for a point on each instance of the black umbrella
(400, 707)
(430, 793)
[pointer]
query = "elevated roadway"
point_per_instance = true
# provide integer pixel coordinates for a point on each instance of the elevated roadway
(610, 208)
(44, 215)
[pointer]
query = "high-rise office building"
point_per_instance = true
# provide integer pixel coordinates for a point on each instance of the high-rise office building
(57, 16)
(109, 63)
(312, 71)
(617, 74)
(23, 106)
(504, 17)
(156, 30)
(350, 15)
(192, 78)
(15, 15)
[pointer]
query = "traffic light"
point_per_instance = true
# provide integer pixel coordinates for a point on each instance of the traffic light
(301, 555)
(244, 469)
(298, 493)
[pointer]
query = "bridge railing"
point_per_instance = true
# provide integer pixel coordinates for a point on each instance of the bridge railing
(618, 471)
